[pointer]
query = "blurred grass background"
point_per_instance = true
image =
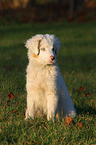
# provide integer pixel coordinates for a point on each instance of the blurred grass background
(77, 62)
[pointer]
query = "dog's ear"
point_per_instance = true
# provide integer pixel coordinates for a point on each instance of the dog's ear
(33, 44)
(56, 45)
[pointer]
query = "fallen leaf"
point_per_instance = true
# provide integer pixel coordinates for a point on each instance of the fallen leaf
(10, 95)
(37, 142)
(80, 125)
(6, 103)
(14, 111)
(83, 94)
(27, 142)
(25, 108)
(88, 95)
(81, 89)
(22, 115)
(92, 101)
(68, 120)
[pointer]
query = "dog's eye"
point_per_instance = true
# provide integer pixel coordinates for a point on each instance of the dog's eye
(43, 49)
(53, 49)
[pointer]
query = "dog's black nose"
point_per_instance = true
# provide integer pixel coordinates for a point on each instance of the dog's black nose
(52, 57)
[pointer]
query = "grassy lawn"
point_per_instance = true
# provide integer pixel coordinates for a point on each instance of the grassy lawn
(77, 62)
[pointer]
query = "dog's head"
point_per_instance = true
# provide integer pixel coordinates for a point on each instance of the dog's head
(43, 48)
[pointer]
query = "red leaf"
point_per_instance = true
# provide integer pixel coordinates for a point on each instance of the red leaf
(81, 89)
(89, 95)
(38, 142)
(5, 103)
(92, 101)
(22, 115)
(10, 95)
(80, 125)
(25, 108)
(68, 120)
(14, 111)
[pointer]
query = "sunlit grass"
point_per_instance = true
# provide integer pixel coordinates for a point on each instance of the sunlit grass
(77, 62)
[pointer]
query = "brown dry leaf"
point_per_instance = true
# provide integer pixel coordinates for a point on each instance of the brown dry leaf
(92, 101)
(14, 111)
(68, 120)
(89, 95)
(27, 142)
(22, 115)
(80, 125)
(38, 142)
(83, 94)
(6, 103)
(25, 108)
(81, 89)
(10, 95)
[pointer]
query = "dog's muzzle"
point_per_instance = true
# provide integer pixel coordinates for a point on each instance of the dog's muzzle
(52, 57)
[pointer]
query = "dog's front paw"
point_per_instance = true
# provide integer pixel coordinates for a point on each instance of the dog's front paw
(72, 114)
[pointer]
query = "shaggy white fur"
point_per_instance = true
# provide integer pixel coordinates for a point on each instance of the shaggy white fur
(46, 89)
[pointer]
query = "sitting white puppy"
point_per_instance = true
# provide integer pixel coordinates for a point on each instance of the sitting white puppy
(46, 89)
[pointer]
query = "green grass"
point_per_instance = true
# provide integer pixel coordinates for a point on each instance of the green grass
(77, 62)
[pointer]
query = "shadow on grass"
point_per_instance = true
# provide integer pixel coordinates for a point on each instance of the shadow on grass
(13, 56)
(85, 110)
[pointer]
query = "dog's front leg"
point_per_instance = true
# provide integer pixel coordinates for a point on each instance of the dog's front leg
(52, 100)
(30, 108)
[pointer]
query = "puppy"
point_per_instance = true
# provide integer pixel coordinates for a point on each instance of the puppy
(46, 89)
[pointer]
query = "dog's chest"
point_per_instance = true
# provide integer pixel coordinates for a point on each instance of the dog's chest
(44, 76)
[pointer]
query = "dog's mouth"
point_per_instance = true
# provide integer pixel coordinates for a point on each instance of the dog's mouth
(51, 61)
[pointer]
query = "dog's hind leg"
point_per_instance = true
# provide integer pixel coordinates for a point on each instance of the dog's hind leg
(65, 101)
